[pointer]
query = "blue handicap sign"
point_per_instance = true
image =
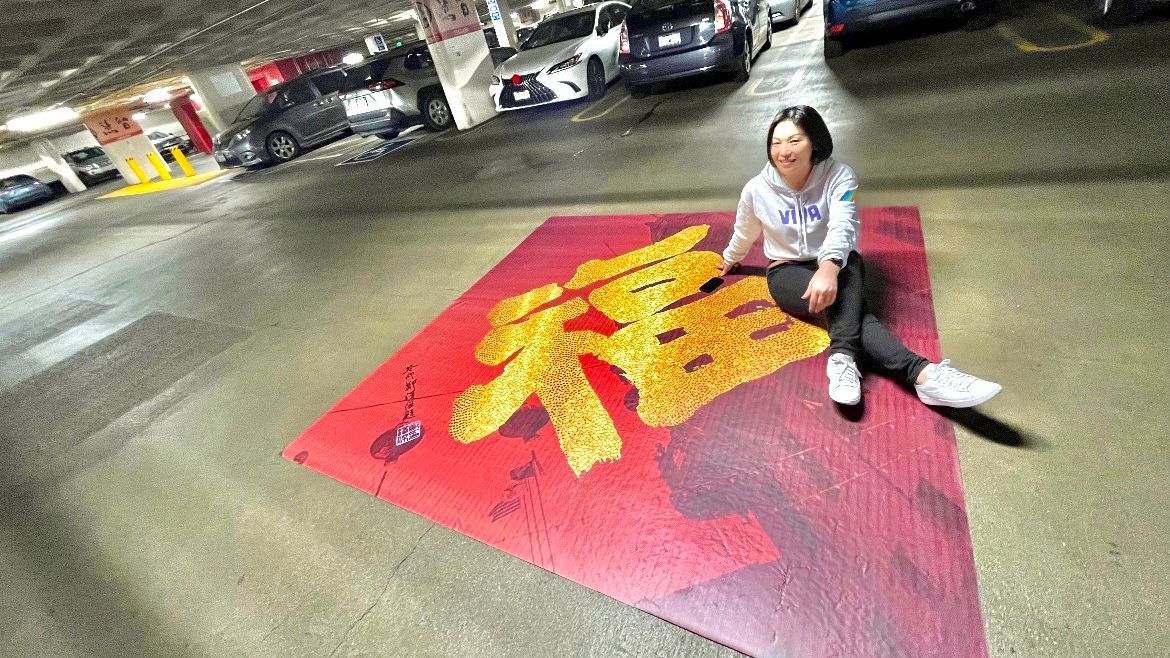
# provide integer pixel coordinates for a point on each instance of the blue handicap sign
(377, 151)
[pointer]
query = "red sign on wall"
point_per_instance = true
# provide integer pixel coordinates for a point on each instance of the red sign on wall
(112, 126)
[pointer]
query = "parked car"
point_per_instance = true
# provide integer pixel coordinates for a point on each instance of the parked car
(570, 55)
(788, 11)
(385, 94)
(164, 142)
(844, 18)
(92, 165)
(20, 191)
(1114, 13)
(667, 39)
(277, 124)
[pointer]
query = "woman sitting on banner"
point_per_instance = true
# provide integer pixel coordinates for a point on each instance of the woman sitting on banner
(804, 204)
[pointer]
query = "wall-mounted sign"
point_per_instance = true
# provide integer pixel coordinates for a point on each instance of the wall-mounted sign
(446, 19)
(112, 125)
(376, 44)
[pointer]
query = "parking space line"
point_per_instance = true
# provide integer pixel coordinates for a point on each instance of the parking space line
(1095, 36)
(580, 115)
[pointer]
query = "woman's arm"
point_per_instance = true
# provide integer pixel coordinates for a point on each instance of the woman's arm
(746, 232)
(844, 225)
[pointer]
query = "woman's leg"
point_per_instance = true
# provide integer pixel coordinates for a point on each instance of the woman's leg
(882, 347)
(788, 282)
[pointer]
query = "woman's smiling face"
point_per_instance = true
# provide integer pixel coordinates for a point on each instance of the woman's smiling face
(791, 149)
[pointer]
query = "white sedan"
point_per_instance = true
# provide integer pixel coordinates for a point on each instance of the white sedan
(570, 55)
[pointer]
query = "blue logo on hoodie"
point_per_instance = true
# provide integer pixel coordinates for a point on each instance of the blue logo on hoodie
(807, 214)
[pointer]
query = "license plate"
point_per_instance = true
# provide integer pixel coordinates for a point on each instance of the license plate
(521, 95)
(668, 40)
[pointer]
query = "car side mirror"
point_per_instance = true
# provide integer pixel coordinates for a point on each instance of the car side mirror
(601, 30)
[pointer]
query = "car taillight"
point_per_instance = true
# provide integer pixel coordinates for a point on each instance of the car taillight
(389, 83)
(722, 16)
(836, 29)
(516, 79)
(624, 40)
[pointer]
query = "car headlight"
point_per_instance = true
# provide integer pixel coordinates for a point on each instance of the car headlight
(242, 135)
(496, 80)
(567, 64)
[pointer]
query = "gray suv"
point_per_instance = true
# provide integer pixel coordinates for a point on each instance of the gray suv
(385, 94)
(277, 124)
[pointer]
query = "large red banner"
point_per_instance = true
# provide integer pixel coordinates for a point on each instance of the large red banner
(586, 408)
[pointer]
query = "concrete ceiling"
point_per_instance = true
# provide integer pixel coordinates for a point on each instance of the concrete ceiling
(83, 52)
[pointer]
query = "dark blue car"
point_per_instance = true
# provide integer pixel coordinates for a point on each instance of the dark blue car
(19, 191)
(666, 39)
(844, 18)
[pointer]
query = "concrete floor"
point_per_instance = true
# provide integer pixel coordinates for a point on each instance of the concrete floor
(144, 508)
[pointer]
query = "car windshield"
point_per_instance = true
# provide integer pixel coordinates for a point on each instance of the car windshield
(85, 154)
(156, 135)
(254, 107)
(15, 182)
(671, 7)
(556, 30)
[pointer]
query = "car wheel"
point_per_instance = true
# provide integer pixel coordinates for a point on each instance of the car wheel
(743, 68)
(437, 111)
(637, 91)
(85, 180)
(834, 47)
(595, 78)
(282, 146)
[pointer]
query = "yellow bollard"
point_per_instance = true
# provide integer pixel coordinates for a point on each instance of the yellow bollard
(184, 164)
(164, 172)
(143, 179)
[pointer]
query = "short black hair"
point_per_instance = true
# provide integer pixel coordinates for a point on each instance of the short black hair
(808, 120)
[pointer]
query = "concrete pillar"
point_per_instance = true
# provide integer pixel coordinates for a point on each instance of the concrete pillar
(121, 137)
(51, 159)
(564, 5)
(223, 90)
(460, 53)
(501, 15)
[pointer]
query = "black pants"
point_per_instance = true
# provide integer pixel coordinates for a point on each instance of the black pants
(853, 330)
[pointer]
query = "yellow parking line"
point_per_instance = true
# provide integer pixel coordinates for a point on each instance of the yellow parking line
(1095, 36)
(579, 118)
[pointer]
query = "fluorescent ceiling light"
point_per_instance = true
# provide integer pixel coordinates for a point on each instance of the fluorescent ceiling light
(41, 120)
(138, 116)
(160, 95)
(407, 15)
(352, 58)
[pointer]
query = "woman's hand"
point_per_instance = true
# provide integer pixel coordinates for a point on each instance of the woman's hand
(822, 290)
(727, 267)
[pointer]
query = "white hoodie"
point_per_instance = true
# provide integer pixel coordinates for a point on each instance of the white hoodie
(819, 222)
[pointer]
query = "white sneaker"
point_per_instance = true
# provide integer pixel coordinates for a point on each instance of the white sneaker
(948, 387)
(844, 379)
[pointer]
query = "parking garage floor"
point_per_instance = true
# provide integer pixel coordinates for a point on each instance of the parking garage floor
(146, 508)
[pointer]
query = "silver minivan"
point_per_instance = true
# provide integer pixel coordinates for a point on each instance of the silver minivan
(391, 91)
(92, 165)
